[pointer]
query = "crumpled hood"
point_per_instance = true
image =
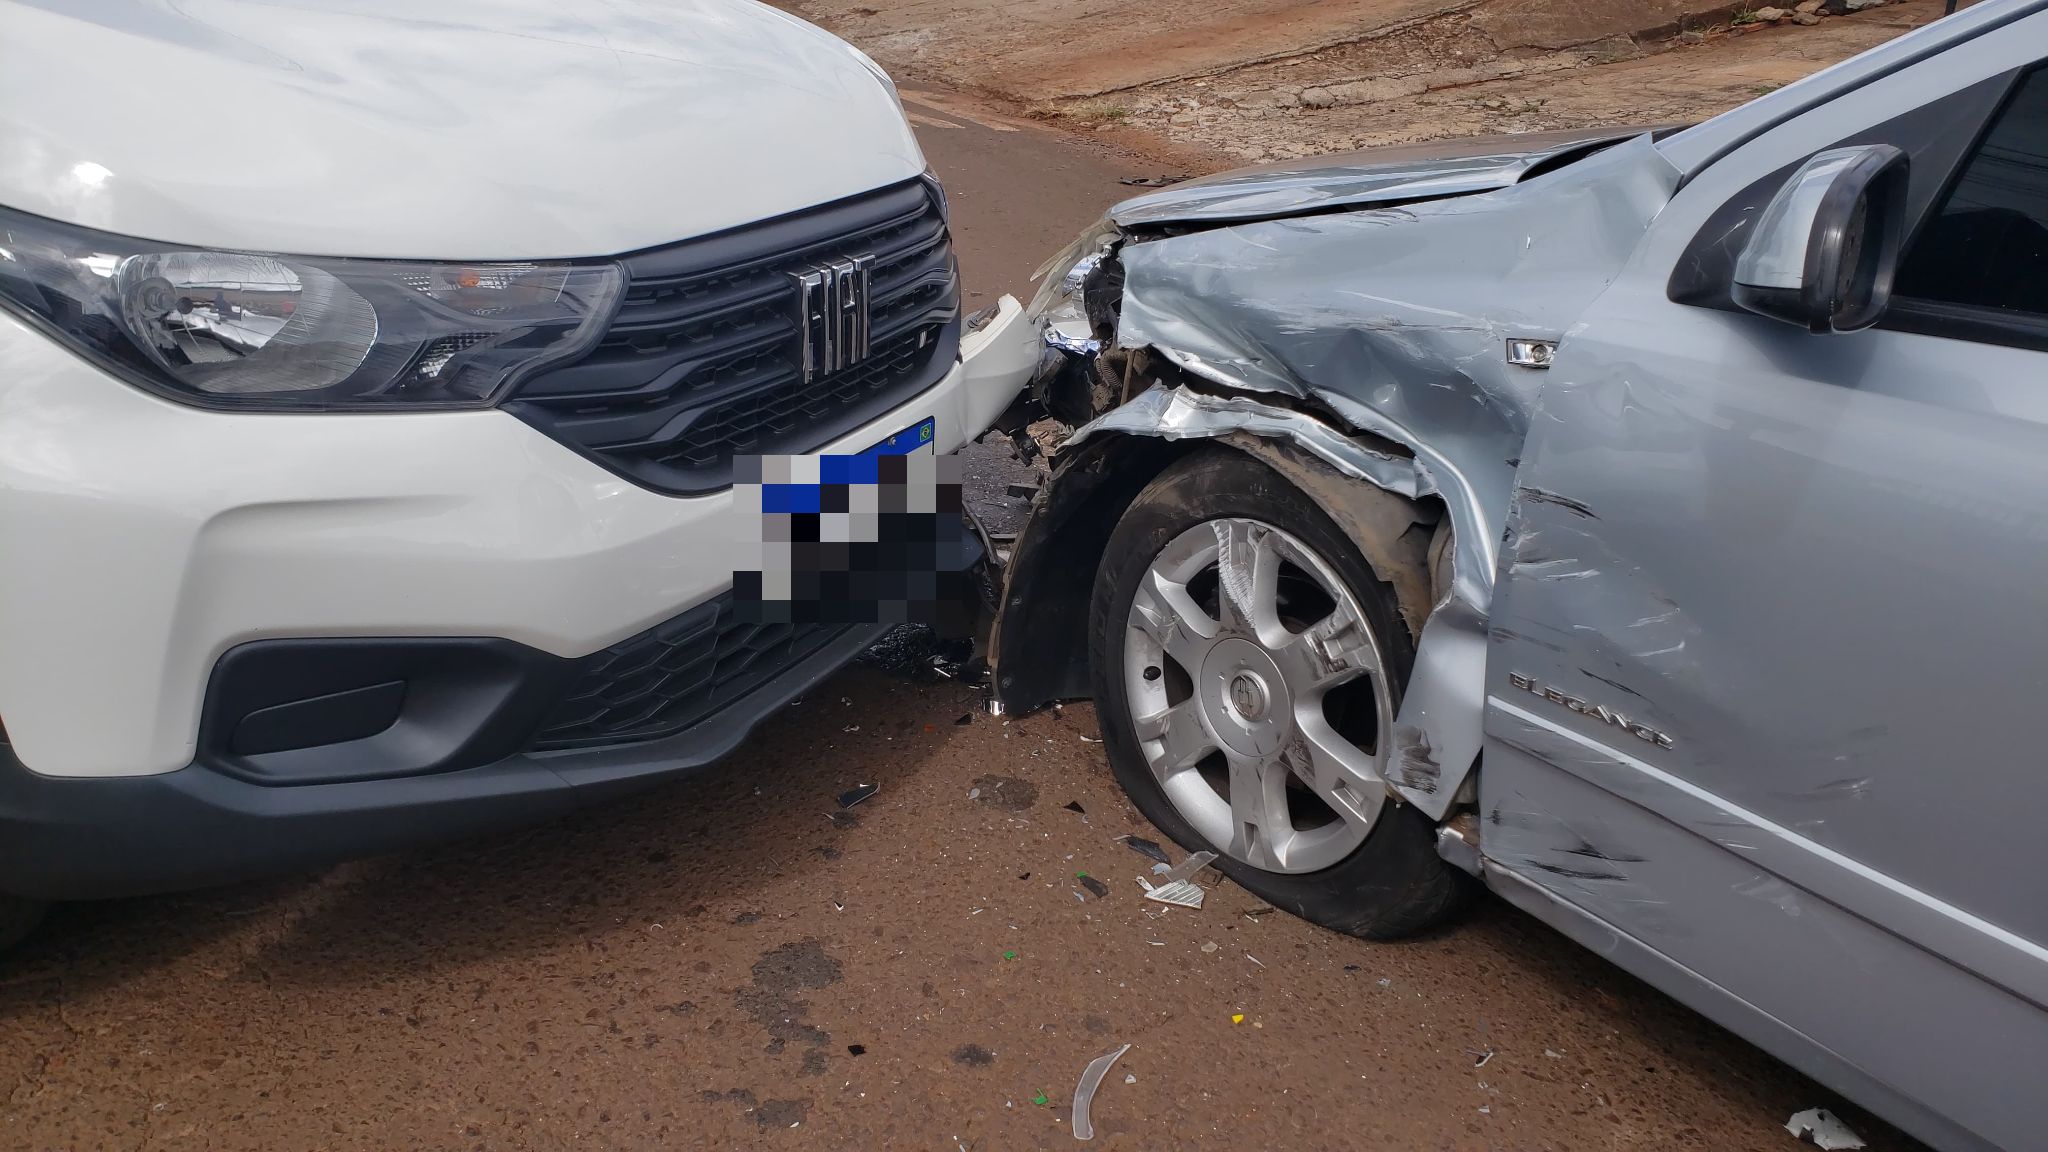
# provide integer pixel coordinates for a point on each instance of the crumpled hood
(451, 129)
(1359, 179)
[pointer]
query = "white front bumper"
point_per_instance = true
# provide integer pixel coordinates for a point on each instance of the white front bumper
(139, 540)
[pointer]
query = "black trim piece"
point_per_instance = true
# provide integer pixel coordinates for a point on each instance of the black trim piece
(462, 702)
(77, 839)
(670, 677)
(1935, 137)
(1964, 322)
(337, 717)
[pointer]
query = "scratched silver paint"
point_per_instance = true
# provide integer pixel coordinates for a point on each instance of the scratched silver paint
(1395, 320)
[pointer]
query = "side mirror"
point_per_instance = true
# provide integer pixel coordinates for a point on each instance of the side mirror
(1826, 248)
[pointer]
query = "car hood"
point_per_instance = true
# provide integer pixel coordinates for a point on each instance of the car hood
(1361, 179)
(457, 129)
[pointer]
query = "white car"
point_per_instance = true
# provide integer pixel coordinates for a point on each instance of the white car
(370, 386)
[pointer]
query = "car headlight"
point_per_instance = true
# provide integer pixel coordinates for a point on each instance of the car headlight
(1058, 307)
(288, 333)
(1062, 276)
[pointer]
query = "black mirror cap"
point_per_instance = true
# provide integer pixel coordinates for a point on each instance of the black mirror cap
(1848, 254)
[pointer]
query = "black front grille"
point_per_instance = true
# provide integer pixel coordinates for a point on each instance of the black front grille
(670, 677)
(701, 363)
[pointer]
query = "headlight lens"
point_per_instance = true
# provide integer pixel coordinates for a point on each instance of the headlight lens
(1059, 290)
(286, 333)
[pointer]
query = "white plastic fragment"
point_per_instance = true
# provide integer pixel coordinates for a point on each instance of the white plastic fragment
(1824, 1128)
(1084, 1092)
(1179, 889)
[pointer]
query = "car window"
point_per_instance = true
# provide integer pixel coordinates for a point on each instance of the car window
(1986, 246)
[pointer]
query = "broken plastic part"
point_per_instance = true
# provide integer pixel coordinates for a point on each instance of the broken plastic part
(857, 793)
(1179, 888)
(1094, 886)
(1084, 1092)
(1144, 847)
(1824, 1128)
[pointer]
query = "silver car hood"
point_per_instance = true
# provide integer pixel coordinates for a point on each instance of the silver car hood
(1360, 179)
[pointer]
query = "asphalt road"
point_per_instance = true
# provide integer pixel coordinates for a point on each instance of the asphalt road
(717, 964)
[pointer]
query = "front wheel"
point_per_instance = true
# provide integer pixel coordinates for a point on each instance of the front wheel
(1248, 665)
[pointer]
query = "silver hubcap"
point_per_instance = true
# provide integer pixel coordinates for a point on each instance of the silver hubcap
(1230, 705)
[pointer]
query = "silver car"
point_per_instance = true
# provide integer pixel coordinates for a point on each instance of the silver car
(1650, 524)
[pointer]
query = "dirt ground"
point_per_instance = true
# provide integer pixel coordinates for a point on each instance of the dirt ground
(1245, 80)
(719, 964)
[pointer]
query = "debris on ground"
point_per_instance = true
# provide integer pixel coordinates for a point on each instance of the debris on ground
(857, 793)
(1074, 806)
(1130, 1077)
(1039, 1099)
(1022, 491)
(1008, 793)
(1255, 959)
(1151, 181)
(1237, 1017)
(1084, 1092)
(1208, 946)
(1824, 1128)
(1095, 887)
(918, 652)
(1009, 955)
(1553, 1053)
(965, 719)
(1480, 1056)
(1144, 847)
(1267, 910)
(1179, 889)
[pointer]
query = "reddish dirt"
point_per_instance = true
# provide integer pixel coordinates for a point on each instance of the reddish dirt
(1219, 84)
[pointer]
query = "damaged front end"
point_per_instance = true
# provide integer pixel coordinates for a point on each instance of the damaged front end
(1362, 325)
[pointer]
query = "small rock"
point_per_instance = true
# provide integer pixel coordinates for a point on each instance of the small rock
(1808, 7)
(1691, 38)
(1181, 118)
(1769, 15)
(1805, 19)
(1860, 5)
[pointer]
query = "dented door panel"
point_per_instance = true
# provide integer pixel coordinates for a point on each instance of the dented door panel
(1766, 657)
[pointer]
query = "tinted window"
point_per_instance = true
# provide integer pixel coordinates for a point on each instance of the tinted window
(1987, 246)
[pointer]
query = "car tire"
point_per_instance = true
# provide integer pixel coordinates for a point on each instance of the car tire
(18, 918)
(1390, 884)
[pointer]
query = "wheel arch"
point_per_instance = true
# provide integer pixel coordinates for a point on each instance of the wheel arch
(1043, 623)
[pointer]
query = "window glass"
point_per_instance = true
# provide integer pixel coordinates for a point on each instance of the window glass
(1987, 245)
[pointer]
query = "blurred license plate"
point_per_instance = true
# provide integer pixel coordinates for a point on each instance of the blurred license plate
(916, 438)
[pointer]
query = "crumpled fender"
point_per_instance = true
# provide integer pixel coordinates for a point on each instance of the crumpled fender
(1394, 321)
